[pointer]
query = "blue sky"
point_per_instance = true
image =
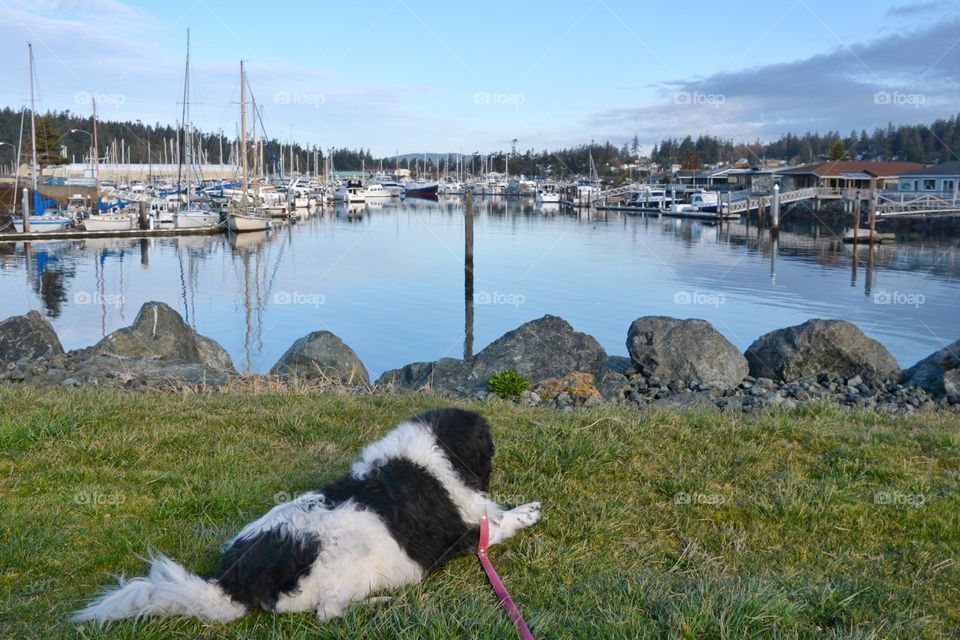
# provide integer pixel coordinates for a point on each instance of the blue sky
(439, 76)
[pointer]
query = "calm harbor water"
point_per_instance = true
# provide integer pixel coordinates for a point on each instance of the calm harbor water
(390, 281)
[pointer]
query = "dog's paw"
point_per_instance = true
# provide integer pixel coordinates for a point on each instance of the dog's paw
(528, 514)
(330, 609)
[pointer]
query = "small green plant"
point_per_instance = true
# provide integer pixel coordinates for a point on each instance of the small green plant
(507, 384)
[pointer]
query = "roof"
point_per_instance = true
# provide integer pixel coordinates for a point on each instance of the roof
(856, 176)
(942, 169)
(840, 167)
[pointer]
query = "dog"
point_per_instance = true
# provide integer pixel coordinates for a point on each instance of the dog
(410, 503)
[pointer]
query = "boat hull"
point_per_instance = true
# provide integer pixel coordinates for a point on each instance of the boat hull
(108, 223)
(43, 225)
(243, 222)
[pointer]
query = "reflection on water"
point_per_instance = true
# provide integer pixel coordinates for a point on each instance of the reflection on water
(393, 280)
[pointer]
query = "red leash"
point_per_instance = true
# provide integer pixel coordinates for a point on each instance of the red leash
(498, 587)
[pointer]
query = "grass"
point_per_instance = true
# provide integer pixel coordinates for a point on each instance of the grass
(811, 524)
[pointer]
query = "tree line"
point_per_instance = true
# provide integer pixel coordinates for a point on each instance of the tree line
(145, 143)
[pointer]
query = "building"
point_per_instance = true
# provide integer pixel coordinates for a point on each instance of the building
(942, 178)
(846, 174)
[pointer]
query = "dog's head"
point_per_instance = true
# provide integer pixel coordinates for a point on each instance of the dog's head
(467, 442)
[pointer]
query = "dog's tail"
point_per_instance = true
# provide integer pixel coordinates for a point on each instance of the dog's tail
(168, 590)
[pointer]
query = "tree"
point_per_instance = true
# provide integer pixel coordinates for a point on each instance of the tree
(48, 151)
(837, 152)
(690, 161)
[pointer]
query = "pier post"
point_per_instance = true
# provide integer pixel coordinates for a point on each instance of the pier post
(873, 218)
(856, 219)
(775, 209)
(468, 278)
(26, 210)
(144, 223)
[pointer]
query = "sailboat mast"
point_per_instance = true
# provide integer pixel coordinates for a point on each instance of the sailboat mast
(33, 122)
(243, 131)
(96, 153)
(188, 133)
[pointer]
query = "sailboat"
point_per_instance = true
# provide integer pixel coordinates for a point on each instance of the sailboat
(193, 215)
(39, 221)
(98, 221)
(245, 218)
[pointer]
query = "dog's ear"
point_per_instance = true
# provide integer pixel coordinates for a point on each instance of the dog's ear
(466, 440)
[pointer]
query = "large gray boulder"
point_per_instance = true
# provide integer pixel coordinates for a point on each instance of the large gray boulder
(322, 356)
(159, 333)
(547, 347)
(821, 347)
(446, 377)
(933, 373)
(28, 337)
(688, 351)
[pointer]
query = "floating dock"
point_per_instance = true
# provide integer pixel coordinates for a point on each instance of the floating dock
(863, 237)
(79, 234)
(700, 215)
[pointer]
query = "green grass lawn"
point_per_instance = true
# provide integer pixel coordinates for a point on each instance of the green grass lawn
(810, 524)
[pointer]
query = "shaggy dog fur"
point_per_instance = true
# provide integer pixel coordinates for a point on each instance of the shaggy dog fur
(410, 503)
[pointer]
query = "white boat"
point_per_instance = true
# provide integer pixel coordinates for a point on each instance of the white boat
(46, 223)
(376, 191)
(700, 202)
(351, 192)
(196, 217)
(547, 194)
(107, 222)
(243, 222)
(650, 198)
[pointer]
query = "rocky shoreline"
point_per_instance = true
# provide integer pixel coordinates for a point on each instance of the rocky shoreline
(673, 364)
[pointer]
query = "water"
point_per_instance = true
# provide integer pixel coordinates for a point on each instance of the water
(391, 282)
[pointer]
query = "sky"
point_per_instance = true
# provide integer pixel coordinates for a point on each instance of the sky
(414, 76)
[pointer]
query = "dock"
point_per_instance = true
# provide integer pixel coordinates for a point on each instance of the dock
(80, 234)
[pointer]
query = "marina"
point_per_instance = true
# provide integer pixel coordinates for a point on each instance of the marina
(257, 292)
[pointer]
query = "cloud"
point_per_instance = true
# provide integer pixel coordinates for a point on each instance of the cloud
(915, 9)
(908, 77)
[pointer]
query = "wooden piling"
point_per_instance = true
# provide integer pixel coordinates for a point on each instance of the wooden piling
(468, 278)
(144, 222)
(26, 211)
(873, 218)
(856, 219)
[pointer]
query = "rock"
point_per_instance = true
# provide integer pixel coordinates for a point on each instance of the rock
(619, 364)
(951, 383)
(687, 401)
(613, 386)
(321, 355)
(578, 387)
(159, 333)
(685, 351)
(28, 337)
(446, 377)
(929, 373)
(821, 348)
(544, 348)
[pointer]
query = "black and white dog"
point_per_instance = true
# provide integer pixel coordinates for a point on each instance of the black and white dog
(410, 503)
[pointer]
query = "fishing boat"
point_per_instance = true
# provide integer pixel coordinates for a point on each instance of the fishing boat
(547, 194)
(421, 189)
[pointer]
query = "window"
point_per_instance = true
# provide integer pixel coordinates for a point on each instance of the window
(929, 184)
(949, 185)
